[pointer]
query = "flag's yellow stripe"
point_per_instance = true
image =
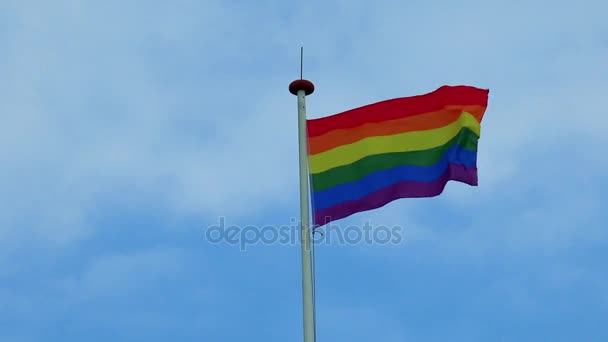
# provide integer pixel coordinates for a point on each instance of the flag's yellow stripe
(410, 141)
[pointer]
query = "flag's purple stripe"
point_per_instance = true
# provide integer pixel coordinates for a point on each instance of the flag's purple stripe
(405, 189)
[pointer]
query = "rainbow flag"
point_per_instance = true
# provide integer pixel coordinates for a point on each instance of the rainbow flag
(407, 147)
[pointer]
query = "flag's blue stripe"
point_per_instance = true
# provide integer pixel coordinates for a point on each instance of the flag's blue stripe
(381, 179)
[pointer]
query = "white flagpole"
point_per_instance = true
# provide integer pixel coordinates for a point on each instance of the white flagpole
(301, 88)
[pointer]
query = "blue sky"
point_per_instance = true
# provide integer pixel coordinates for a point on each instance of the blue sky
(128, 128)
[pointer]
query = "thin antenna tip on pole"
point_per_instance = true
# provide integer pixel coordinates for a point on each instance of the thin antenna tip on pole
(301, 84)
(301, 60)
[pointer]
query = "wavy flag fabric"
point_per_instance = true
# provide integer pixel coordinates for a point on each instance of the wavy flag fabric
(366, 157)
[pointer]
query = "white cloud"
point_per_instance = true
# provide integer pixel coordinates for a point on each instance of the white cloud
(85, 117)
(129, 273)
(123, 293)
(186, 105)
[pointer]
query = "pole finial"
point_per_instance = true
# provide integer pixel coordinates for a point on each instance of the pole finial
(301, 60)
(298, 85)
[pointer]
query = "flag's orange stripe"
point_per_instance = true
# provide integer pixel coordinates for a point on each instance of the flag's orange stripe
(419, 122)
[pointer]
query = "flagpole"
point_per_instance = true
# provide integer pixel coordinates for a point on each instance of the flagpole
(301, 88)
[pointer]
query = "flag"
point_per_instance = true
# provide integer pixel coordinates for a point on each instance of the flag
(367, 157)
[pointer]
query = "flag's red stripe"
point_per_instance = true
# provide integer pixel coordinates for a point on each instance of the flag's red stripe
(441, 98)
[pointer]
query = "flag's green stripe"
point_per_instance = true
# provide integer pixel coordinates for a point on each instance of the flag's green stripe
(466, 138)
